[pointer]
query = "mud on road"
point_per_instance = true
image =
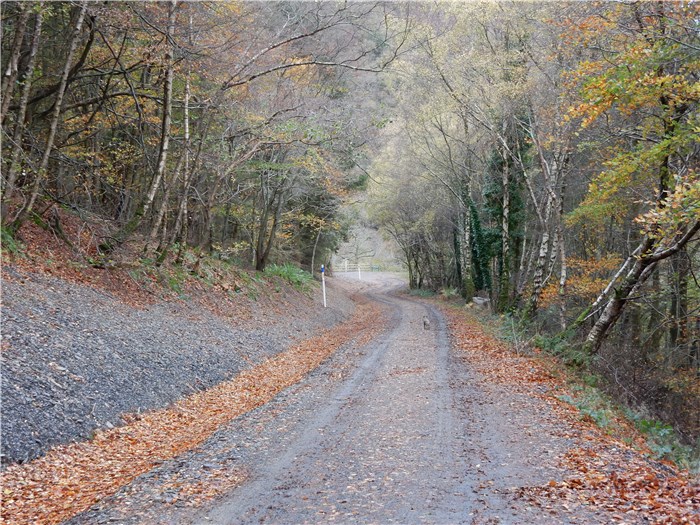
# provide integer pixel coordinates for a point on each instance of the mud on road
(399, 430)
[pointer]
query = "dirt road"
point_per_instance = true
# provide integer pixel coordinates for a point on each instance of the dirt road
(387, 444)
(399, 430)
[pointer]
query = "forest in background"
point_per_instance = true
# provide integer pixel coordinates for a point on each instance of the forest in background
(542, 155)
(547, 155)
(227, 127)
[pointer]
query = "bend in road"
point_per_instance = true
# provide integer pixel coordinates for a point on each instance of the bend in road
(387, 447)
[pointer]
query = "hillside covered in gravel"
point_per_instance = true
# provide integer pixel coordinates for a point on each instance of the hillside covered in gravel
(77, 358)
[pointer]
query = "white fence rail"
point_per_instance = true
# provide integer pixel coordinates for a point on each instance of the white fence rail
(346, 266)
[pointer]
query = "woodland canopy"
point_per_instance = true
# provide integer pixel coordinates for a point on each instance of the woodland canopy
(542, 155)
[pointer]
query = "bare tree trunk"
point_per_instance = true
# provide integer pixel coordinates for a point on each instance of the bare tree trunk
(131, 226)
(164, 206)
(265, 208)
(504, 275)
(267, 240)
(182, 207)
(10, 76)
(642, 268)
(553, 256)
(465, 252)
(13, 167)
(273, 201)
(167, 113)
(55, 117)
(680, 268)
(538, 276)
(563, 267)
(465, 219)
(181, 228)
(683, 317)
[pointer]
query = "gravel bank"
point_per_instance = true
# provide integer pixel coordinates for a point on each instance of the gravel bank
(75, 359)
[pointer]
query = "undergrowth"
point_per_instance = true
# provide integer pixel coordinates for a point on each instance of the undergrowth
(560, 345)
(592, 403)
(297, 277)
(660, 438)
(8, 243)
(450, 293)
(420, 292)
(663, 442)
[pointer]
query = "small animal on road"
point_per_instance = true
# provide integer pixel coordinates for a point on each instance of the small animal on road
(426, 323)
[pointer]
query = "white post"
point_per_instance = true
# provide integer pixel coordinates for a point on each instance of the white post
(323, 284)
(359, 272)
(346, 265)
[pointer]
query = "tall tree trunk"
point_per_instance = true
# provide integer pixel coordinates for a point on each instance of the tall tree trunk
(268, 239)
(465, 253)
(562, 267)
(182, 205)
(267, 201)
(40, 173)
(541, 263)
(155, 228)
(145, 206)
(181, 228)
(680, 269)
(17, 137)
(11, 72)
(504, 275)
(167, 113)
(465, 224)
(518, 285)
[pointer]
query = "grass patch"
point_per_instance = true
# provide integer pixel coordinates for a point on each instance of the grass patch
(420, 292)
(300, 279)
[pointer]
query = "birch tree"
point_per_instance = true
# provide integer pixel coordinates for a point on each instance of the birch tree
(41, 169)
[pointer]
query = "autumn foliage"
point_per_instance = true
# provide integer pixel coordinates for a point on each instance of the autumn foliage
(611, 474)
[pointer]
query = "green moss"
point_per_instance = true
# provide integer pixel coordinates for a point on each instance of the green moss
(8, 243)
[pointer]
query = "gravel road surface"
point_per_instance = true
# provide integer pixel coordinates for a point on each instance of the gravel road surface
(387, 446)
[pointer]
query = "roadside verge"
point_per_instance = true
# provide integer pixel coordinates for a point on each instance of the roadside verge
(612, 476)
(71, 478)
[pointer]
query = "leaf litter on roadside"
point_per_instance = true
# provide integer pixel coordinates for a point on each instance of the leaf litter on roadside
(69, 479)
(605, 473)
